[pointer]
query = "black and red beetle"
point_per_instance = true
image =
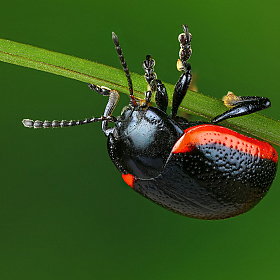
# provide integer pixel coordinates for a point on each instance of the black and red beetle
(196, 169)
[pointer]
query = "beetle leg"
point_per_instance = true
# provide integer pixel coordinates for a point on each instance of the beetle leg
(161, 97)
(183, 83)
(148, 66)
(180, 90)
(111, 105)
(154, 85)
(101, 90)
(241, 105)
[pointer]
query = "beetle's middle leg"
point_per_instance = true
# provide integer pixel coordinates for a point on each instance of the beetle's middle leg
(154, 85)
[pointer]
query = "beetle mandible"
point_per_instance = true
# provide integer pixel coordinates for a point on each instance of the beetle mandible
(197, 169)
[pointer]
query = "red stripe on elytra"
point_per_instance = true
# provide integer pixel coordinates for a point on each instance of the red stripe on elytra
(214, 134)
(129, 179)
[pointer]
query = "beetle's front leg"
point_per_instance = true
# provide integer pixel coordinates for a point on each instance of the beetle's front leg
(111, 104)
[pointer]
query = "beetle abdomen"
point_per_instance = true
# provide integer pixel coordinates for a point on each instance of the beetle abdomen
(212, 173)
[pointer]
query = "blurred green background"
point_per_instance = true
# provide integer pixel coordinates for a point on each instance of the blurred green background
(65, 212)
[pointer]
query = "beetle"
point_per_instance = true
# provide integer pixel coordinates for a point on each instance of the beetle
(197, 169)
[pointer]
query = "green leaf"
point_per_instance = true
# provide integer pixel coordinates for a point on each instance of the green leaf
(103, 75)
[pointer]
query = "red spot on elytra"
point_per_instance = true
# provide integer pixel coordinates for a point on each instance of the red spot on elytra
(214, 134)
(129, 179)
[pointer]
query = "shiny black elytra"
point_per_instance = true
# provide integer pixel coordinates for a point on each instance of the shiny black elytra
(196, 169)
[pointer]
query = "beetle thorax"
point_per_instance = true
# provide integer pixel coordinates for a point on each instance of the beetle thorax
(143, 140)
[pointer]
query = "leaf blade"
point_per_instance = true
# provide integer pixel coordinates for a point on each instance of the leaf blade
(92, 72)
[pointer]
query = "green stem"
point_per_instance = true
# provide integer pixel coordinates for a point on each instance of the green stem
(96, 73)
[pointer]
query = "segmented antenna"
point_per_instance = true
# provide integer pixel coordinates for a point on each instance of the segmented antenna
(125, 68)
(113, 100)
(47, 124)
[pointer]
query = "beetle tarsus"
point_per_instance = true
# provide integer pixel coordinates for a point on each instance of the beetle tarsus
(185, 44)
(184, 81)
(148, 66)
(154, 85)
(101, 90)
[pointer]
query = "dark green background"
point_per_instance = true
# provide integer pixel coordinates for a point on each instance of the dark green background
(65, 212)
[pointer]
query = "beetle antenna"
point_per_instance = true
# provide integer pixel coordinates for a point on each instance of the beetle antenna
(125, 68)
(46, 124)
(111, 104)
